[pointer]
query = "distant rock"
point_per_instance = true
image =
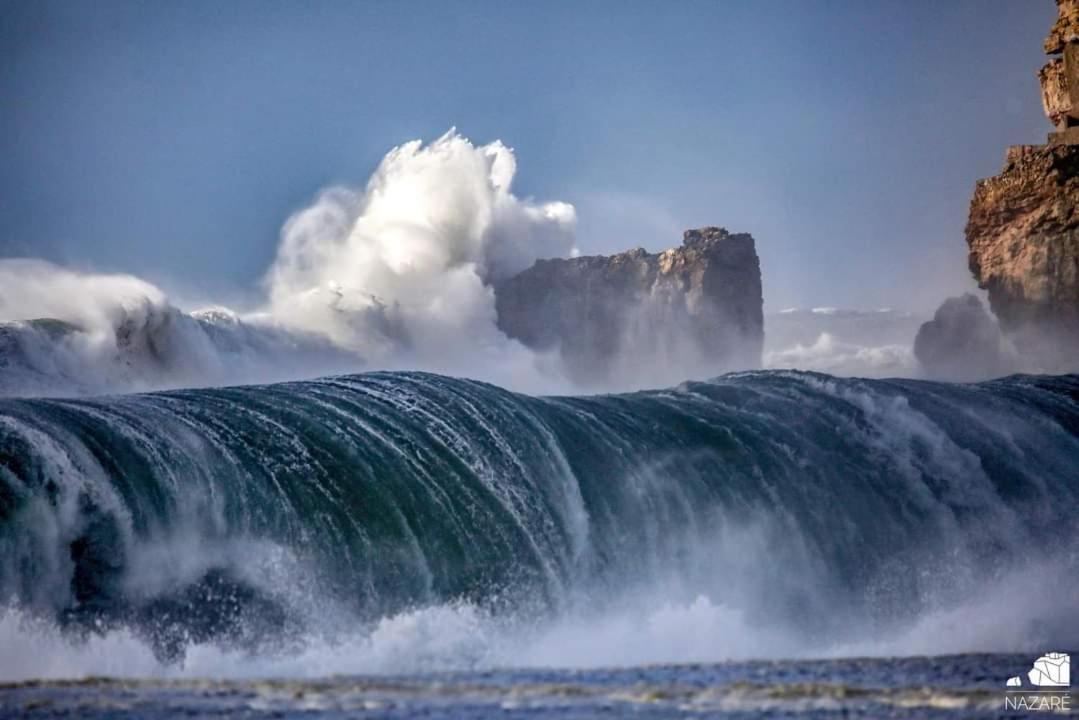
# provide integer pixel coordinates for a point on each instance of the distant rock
(636, 317)
(961, 343)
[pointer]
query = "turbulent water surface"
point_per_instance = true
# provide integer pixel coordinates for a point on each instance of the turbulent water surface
(407, 522)
(943, 687)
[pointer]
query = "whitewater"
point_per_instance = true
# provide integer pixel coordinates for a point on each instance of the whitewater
(391, 522)
(395, 275)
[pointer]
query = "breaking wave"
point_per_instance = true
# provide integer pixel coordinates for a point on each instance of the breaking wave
(397, 275)
(114, 333)
(392, 521)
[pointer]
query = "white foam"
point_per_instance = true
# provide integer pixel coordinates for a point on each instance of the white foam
(1001, 616)
(395, 276)
(830, 355)
(401, 271)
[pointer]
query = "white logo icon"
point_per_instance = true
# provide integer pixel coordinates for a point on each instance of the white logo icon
(1050, 670)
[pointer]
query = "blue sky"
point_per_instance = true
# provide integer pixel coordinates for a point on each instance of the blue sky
(172, 140)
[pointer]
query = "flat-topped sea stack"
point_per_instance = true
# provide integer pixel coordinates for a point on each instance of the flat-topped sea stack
(1023, 229)
(691, 311)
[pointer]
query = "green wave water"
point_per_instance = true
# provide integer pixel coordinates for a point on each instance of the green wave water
(821, 510)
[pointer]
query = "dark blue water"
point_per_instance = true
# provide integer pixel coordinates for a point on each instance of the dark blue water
(965, 686)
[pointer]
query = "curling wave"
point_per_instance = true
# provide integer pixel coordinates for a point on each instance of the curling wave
(759, 513)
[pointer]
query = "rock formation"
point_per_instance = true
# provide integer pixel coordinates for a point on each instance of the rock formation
(1060, 89)
(961, 343)
(1023, 230)
(635, 317)
(1023, 235)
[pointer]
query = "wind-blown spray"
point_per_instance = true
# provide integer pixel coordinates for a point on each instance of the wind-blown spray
(397, 275)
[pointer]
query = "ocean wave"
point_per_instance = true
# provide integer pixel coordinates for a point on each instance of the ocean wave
(393, 520)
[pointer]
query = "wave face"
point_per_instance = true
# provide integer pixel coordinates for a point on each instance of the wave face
(812, 512)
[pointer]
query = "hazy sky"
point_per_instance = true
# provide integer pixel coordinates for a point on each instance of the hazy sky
(171, 140)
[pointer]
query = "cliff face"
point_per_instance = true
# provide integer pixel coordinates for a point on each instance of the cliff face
(1023, 235)
(1023, 230)
(1065, 29)
(691, 311)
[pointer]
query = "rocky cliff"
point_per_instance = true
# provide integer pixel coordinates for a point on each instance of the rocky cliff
(1023, 235)
(635, 317)
(1023, 229)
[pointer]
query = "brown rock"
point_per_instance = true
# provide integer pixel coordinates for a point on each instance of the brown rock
(1023, 236)
(643, 318)
(1055, 98)
(1065, 29)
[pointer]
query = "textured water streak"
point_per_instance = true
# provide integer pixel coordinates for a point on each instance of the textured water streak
(968, 686)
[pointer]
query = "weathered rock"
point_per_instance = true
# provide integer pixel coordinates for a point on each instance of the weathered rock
(1065, 29)
(1023, 236)
(961, 343)
(1023, 229)
(1060, 76)
(1056, 100)
(636, 317)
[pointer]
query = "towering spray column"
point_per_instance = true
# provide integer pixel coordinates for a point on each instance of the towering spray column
(1023, 229)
